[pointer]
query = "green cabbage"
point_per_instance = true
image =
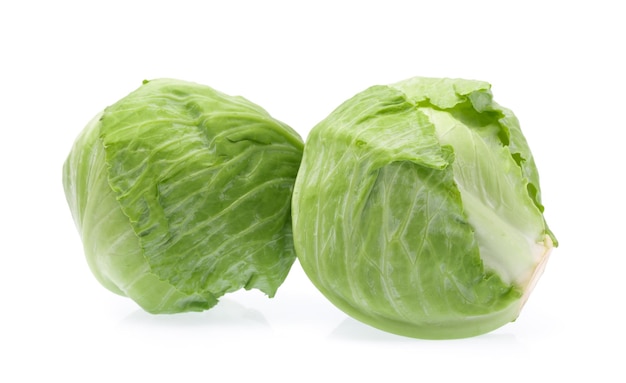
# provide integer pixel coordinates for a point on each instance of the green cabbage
(417, 210)
(182, 194)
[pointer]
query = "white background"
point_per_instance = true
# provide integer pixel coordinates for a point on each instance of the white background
(558, 65)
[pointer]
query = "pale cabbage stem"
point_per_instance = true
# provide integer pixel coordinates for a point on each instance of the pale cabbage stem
(547, 246)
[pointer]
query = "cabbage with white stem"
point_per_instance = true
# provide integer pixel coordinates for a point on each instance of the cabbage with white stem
(182, 194)
(417, 209)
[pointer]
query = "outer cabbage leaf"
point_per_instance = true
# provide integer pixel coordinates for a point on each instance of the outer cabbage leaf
(182, 194)
(417, 210)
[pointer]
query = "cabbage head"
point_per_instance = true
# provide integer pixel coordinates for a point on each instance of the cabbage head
(417, 210)
(182, 194)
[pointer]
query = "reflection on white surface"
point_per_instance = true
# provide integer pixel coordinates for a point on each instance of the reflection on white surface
(352, 330)
(227, 312)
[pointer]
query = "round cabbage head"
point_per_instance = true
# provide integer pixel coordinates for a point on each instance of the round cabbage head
(417, 209)
(182, 194)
